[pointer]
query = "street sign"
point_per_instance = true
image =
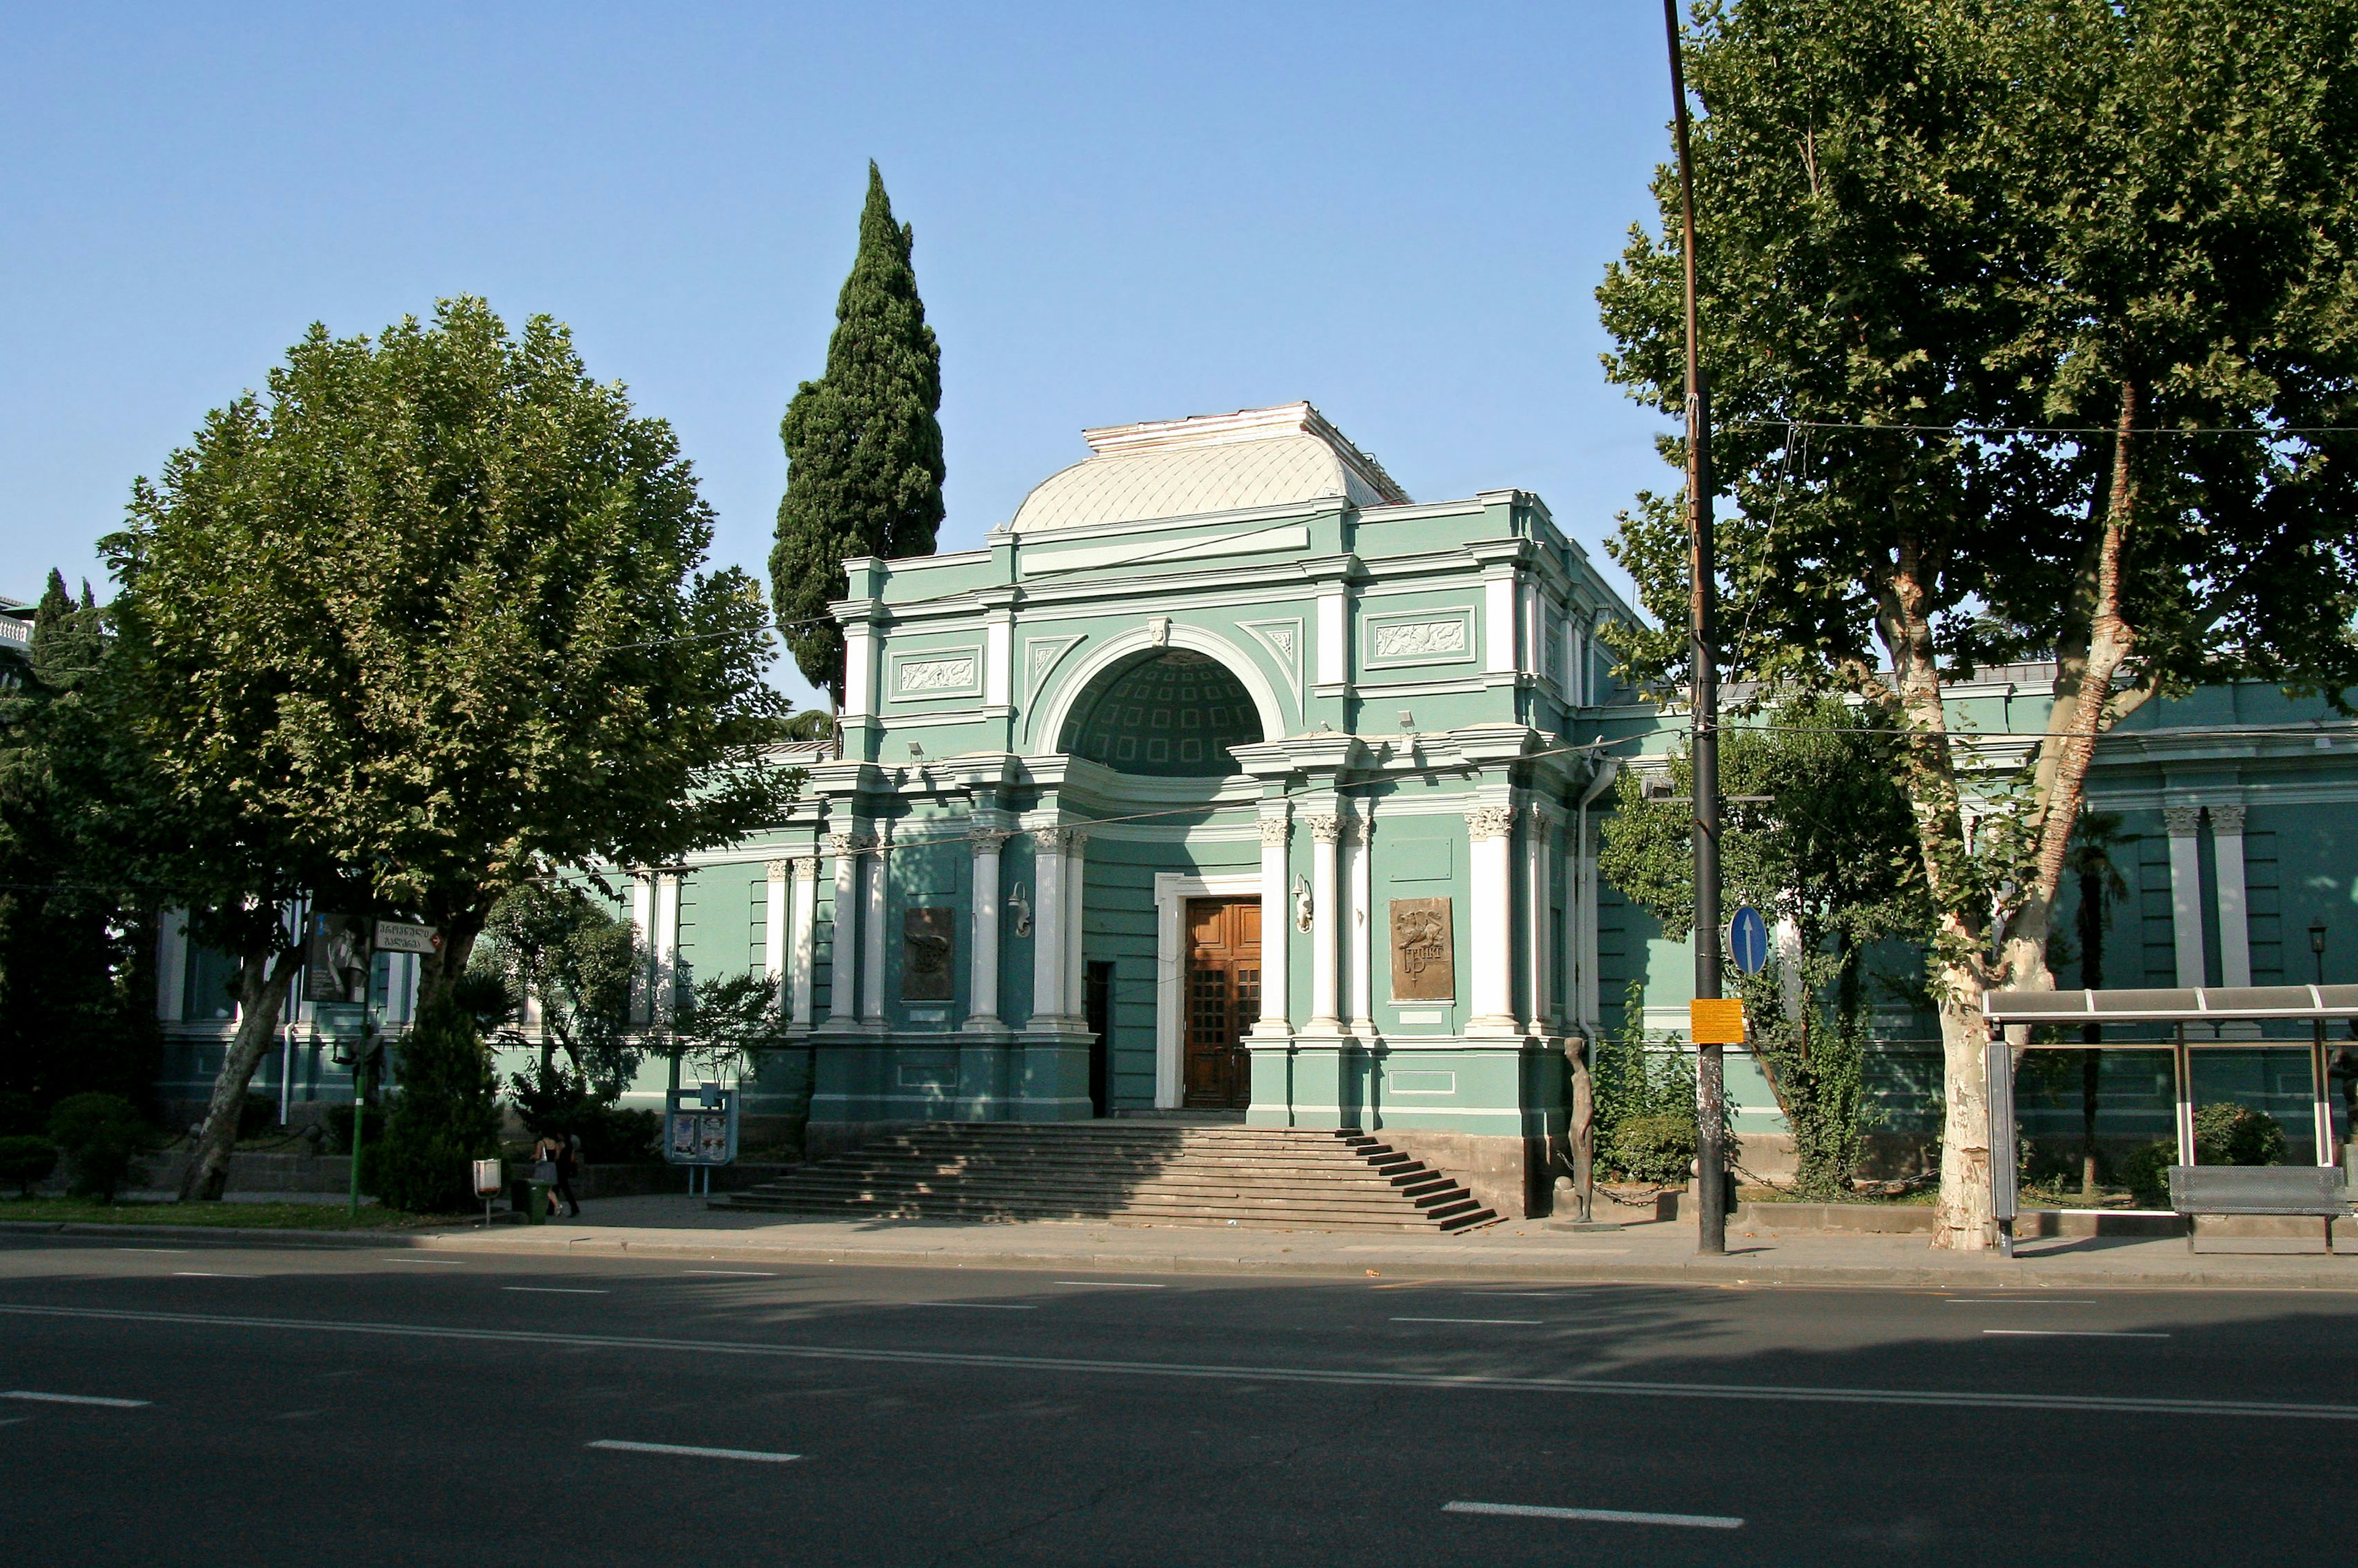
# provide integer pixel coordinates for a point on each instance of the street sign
(404, 936)
(1717, 1020)
(1747, 941)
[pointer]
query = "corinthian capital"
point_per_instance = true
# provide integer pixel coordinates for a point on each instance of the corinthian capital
(1489, 822)
(1273, 830)
(2183, 821)
(2227, 819)
(1327, 829)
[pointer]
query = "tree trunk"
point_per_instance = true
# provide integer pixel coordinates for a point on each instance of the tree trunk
(261, 988)
(2084, 709)
(1963, 1220)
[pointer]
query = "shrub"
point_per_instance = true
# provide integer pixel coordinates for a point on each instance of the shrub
(559, 1103)
(2145, 1173)
(445, 1114)
(100, 1135)
(256, 1114)
(340, 1129)
(2230, 1134)
(24, 1160)
(1652, 1147)
(20, 1115)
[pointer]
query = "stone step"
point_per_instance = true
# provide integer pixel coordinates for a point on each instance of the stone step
(941, 1206)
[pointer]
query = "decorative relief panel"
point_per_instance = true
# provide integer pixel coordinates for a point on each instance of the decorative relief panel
(1425, 637)
(1425, 965)
(938, 676)
(928, 941)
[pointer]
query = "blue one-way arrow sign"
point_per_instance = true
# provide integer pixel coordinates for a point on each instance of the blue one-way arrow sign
(1747, 941)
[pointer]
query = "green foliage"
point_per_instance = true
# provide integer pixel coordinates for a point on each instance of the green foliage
(257, 1113)
(433, 620)
(100, 1135)
(446, 1113)
(21, 1114)
(340, 1129)
(27, 1161)
(863, 444)
(563, 1106)
(556, 944)
(1655, 1147)
(77, 985)
(2144, 1171)
(728, 1022)
(2230, 1134)
(1816, 1066)
(810, 724)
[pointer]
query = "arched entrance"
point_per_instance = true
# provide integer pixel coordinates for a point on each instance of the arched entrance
(1174, 713)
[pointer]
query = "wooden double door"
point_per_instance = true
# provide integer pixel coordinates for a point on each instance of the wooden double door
(1222, 1000)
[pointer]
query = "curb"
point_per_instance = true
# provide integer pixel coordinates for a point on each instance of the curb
(1994, 1275)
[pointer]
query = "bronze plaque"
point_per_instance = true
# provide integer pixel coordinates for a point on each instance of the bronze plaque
(1425, 963)
(928, 942)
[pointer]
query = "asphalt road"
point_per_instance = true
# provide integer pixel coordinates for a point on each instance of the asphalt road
(254, 1406)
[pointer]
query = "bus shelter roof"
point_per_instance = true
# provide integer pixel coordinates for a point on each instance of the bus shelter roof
(2197, 1004)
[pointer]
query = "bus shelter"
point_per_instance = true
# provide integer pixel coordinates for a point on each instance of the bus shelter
(2197, 1018)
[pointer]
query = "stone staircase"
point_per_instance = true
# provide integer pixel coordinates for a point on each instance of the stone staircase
(1126, 1174)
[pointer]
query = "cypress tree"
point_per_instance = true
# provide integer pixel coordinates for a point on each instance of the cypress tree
(863, 443)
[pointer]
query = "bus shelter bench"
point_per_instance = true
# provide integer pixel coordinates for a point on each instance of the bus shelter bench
(2258, 1189)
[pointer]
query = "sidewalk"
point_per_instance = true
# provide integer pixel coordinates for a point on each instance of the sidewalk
(677, 1227)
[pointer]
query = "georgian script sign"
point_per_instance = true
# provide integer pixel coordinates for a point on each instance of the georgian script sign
(928, 939)
(1425, 965)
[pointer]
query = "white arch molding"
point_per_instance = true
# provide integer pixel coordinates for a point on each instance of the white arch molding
(1045, 729)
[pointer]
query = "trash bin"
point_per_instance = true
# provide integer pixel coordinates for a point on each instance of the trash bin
(530, 1199)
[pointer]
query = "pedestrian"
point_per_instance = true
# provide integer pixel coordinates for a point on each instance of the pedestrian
(569, 1159)
(544, 1171)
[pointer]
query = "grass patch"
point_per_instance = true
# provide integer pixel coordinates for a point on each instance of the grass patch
(1914, 1197)
(229, 1215)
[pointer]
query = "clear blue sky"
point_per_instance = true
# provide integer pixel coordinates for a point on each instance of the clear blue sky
(1398, 211)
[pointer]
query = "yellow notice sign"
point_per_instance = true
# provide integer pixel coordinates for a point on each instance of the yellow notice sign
(1717, 1021)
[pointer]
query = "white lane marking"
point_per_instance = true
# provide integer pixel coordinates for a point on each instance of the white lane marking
(554, 1290)
(1510, 1322)
(1467, 1382)
(733, 1273)
(201, 1274)
(2071, 1334)
(755, 1453)
(1598, 1516)
(71, 1399)
(174, 1251)
(1107, 1285)
(2019, 1301)
(445, 1262)
(978, 1307)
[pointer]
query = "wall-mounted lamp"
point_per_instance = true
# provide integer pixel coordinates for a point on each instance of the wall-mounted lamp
(1022, 908)
(2317, 946)
(916, 750)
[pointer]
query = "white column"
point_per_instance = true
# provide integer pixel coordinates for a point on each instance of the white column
(984, 962)
(1490, 830)
(802, 952)
(1360, 932)
(1048, 910)
(1538, 888)
(1326, 833)
(773, 924)
(2234, 927)
(1076, 975)
(871, 934)
(1276, 925)
(1531, 658)
(667, 944)
(643, 926)
(1575, 667)
(2186, 890)
(171, 965)
(1499, 624)
(843, 968)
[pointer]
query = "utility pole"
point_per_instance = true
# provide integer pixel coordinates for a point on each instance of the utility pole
(1710, 1084)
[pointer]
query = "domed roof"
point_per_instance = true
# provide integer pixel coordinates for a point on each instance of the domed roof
(1210, 462)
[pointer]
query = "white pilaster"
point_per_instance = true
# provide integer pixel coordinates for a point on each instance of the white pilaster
(1538, 890)
(997, 660)
(984, 984)
(1077, 887)
(1326, 833)
(843, 967)
(1358, 840)
(1276, 924)
(667, 944)
(1530, 656)
(1576, 664)
(2184, 823)
(1334, 656)
(643, 927)
(858, 671)
(1049, 908)
(2234, 924)
(171, 965)
(871, 934)
(1498, 621)
(773, 924)
(1490, 832)
(801, 953)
